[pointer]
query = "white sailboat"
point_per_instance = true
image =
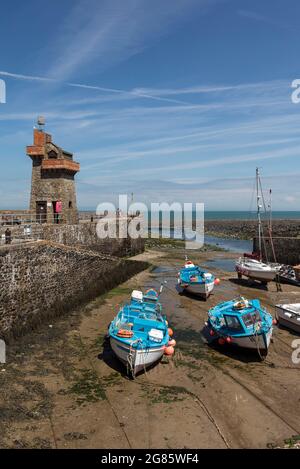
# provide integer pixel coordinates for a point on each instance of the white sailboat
(249, 266)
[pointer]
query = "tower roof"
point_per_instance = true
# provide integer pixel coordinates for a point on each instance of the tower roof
(53, 157)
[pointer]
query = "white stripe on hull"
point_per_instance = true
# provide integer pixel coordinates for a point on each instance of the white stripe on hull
(286, 321)
(141, 359)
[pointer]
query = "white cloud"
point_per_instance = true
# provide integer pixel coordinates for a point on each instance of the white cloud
(111, 31)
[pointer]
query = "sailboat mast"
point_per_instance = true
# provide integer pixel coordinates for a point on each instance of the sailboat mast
(270, 212)
(271, 227)
(258, 214)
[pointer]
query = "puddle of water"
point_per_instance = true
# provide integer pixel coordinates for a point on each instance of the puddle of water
(224, 264)
(162, 269)
(234, 245)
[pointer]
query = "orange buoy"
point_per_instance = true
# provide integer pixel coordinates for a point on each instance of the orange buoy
(124, 333)
(170, 332)
(221, 341)
(275, 322)
(172, 342)
(169, 350)
(228, 340)
(211, 332)
(217, 281)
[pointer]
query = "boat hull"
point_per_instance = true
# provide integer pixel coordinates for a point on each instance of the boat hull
(288, 320)
(141, 358)
(201, 289)
(260, 275)
(260, 342)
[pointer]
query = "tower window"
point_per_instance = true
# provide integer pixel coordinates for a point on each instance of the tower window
(52, 154)
(70, 204)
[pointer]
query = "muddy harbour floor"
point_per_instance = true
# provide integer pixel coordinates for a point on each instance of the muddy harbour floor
(62, 387)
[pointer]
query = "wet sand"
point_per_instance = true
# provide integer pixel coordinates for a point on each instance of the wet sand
(63, 388)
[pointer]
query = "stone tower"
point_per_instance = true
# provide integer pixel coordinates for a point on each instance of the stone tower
(53, 194)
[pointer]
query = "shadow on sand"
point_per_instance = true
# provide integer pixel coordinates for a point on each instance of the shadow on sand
(248, 283)
(108, 357)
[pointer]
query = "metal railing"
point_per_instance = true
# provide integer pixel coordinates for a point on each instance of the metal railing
(11, 219)
(20, 227)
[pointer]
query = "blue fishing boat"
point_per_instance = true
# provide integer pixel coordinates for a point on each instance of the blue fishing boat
(243, 323)
(196, 280)
(139, 333)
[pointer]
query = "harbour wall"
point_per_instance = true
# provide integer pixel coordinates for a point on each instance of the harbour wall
(40, 280)
(287, 250)
(85, 234)
(82, 234)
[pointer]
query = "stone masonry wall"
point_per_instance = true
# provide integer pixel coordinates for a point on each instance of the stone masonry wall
(287, 250)
(51, 186)
(40, 280)
(85, 234)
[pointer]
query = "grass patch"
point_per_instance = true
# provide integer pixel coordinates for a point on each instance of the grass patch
(291, 442)
(166, 394)
(111, 380)
(118, 291)
(87, 388)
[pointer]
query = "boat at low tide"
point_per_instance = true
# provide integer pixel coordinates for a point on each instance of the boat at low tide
(196, 280)
(139, 333)
(243, 323)
(288, 315)
(252, 265)
(255, 270)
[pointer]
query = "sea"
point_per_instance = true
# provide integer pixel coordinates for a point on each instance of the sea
(233, 214)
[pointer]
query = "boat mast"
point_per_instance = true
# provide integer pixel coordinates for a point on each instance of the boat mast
(258, 214)
(271, 227)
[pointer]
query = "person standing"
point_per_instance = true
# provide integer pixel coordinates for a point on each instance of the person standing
(7, 236)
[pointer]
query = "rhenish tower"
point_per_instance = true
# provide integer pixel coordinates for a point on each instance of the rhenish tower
(53, 194)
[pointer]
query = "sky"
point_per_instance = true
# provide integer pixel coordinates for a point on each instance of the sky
(174, 100)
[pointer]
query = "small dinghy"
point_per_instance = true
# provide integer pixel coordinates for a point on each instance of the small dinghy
(139, 333)
(196, 280)
(288, 315)
(243, 323)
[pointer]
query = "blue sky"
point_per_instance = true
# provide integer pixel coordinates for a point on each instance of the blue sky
(175, 100)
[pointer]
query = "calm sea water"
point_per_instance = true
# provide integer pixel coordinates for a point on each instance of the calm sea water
(233, 245)
(236, 215)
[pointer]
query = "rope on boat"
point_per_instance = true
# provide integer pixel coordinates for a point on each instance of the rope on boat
(256, 338)
(130, 367)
